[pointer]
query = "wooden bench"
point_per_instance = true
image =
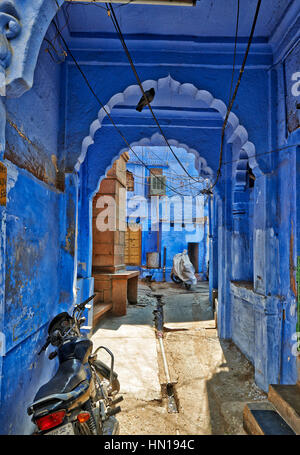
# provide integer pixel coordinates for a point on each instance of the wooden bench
(117, 288)
(124, 287)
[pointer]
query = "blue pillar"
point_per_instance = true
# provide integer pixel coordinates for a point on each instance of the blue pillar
(213, 246)
(2, 246)
(224, 248)
(85, 281)
(68, 241)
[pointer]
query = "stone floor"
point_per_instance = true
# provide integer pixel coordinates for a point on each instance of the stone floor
(134, 347)
(213, 380)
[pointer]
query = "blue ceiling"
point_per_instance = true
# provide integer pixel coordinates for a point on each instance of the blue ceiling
(209, 18)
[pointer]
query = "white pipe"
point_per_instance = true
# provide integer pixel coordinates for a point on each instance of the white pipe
(164, 360)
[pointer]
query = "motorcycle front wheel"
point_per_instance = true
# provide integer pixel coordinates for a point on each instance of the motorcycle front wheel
(175, 279)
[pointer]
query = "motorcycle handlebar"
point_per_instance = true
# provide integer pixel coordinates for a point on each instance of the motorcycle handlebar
(82, 305)
(45, 346)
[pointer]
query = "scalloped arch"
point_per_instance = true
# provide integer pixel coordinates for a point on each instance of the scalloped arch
(246, 155)
(171, 90)
(157, 140)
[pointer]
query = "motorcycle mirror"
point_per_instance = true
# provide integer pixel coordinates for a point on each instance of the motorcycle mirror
(56, 337)
(56, 334)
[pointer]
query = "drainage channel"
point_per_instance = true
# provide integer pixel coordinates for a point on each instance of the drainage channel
(159, 325)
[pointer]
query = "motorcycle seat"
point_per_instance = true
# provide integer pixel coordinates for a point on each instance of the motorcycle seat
(69, 374)
(51, 403)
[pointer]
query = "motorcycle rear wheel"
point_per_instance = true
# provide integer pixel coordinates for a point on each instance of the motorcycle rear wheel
(81, 428)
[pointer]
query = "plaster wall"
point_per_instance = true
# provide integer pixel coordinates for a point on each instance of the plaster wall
(39, 225)
(169, 236)
(263, 303)
(40, 242)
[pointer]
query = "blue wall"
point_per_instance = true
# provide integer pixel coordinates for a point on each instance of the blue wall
(58, 147)
(40, 239)
(82, 108)
(174, 240)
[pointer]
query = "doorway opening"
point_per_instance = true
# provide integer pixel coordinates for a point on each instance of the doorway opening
(193, 253)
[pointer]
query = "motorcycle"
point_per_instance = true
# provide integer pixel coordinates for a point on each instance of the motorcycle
(183, 271)
(81, 397)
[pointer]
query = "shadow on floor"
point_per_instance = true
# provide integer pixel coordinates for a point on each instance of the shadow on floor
(229, 389)
(215, 379)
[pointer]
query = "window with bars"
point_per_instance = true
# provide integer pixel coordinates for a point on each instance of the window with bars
(157, 185)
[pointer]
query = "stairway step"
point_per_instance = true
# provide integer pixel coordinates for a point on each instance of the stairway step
(261, 418)
(100, 309)
(286, 399)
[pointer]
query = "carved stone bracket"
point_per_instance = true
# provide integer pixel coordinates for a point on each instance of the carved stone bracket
(10, 27)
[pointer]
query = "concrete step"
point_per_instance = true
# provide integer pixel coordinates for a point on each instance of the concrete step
(261, 418)
(99, 311)
(286, 399)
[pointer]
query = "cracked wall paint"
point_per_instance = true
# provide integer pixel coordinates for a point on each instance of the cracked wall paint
(12, 177)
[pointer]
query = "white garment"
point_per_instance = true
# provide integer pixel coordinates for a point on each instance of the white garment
(183, 268)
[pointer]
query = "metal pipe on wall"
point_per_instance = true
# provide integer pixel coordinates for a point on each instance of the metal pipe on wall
(145, 2)
(164, 264)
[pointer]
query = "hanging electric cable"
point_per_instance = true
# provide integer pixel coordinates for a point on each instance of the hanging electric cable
(235, 47)
(269, 152)
(106, 111)
(113, 17)
(208, 190)
(184, 187)
(234, 95)
(182, 176)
